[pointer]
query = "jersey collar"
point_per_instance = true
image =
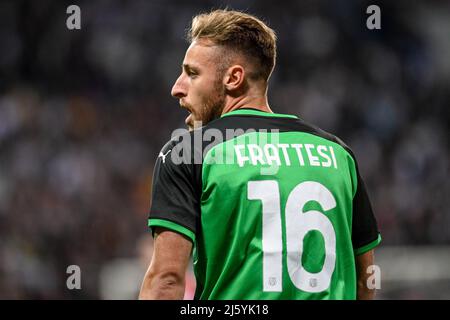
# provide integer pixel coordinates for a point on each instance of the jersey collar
(256, 112)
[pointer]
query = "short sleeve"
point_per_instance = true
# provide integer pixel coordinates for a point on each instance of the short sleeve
(365, 234)
(175, 202)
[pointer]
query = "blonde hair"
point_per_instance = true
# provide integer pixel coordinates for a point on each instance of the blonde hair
(238, 32)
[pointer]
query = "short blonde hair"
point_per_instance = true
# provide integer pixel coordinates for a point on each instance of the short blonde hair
(238, 32)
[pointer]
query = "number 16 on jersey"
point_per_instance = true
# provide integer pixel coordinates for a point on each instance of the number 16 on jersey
(298, 224)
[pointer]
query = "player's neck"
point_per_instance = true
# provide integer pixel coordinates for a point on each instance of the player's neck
(258, 102)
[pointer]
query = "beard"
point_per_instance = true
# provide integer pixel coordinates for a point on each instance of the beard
(211, 109)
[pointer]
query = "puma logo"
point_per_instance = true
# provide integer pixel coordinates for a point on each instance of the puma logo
(163, 156)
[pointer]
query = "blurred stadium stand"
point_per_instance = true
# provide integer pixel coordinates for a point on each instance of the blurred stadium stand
(84, 113)
(407, 272)
(416, 272)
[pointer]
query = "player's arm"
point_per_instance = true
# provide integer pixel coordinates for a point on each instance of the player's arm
(365, 237)
(363, 261)
(165, 277)
(173, 218)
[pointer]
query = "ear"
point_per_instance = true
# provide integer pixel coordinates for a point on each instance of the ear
(234, 77)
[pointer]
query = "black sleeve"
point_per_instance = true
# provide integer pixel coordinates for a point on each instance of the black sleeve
(175, 200)
(365, 234)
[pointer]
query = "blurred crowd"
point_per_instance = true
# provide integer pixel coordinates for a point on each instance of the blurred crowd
(84, 113)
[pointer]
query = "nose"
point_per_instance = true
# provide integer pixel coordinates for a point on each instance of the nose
(179, 89)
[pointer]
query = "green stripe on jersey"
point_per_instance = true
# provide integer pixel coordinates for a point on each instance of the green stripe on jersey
(253, 112)
(172, 226)
(368, 246)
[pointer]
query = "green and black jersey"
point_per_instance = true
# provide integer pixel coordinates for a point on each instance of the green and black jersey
(275, 207)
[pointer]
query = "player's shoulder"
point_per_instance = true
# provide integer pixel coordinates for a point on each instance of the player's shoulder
(183, 146)
(182, 137)
(315, 130)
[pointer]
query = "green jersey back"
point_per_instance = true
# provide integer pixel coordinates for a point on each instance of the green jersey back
(275, 207)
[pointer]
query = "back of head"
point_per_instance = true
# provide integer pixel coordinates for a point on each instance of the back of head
(238, 33)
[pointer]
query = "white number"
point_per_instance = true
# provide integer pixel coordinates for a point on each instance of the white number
(267, 192)
(298, 224)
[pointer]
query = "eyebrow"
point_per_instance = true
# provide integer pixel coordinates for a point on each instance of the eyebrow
(186, 66)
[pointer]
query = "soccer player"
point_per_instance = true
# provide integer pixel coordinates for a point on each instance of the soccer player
(270, 206)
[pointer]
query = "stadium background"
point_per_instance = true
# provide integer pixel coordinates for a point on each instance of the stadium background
(84, 113)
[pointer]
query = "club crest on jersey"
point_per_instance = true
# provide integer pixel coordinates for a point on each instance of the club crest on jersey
(163, 156)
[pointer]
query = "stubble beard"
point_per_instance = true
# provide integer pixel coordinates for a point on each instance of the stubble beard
(212, 107)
